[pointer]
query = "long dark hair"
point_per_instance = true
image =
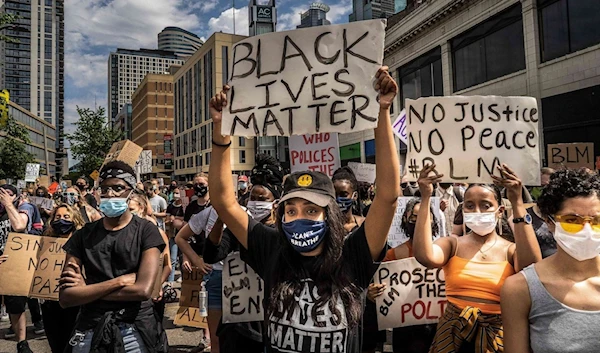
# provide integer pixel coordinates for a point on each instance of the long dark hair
(331, 277)
(435, 229)
(502, 228)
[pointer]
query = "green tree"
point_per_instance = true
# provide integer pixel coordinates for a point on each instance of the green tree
(7, 21)
(92, 139)
(13, 154)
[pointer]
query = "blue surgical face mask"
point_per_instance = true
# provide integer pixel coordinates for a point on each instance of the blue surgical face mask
(113, 207)
(305, 235)
(344, 203)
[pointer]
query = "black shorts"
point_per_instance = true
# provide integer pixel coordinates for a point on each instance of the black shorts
(15, 305)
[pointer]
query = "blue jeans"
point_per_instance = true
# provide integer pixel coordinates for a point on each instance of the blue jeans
(173, 253)
(214, 283)
(131, 339)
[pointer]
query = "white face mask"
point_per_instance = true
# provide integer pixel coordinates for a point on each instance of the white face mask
(260, 209)
(581, 246)
(481, 223)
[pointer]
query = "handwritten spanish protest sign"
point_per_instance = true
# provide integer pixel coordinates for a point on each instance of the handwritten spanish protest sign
(316, 152)
(468, 137)
(397, 235)
(414, 294)
(306, 81)
(33, 267)
(571, 155)
(363, 171)
(243, 292)
(188, 313)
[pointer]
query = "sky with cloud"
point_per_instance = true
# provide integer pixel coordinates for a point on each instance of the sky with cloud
(94, 28)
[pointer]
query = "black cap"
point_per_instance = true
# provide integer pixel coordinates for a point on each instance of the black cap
(311, 186)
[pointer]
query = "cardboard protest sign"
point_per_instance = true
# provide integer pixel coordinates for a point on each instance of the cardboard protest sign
(188, 313)
(571, 155)
(125, 151)
(243, 292)
(318, 152)
(414, 294)
(400, 127)
(33, 267)
(468, 137)
(396, 235)
(306, 81)
(32, 172)
(363, 171)
(42, 202)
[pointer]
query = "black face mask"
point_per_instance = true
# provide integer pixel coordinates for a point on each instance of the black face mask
(41, 195)
(411, 229)
(200, 190)
(62, 226)
(81, 187)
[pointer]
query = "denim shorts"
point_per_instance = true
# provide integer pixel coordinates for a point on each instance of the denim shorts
(131, 339)
(214, 283)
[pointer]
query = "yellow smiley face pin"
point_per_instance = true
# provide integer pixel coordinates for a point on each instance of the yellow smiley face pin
(305, 180)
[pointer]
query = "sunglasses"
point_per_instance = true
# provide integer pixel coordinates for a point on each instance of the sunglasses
(72, 194)
(575, 223)
(117, 189)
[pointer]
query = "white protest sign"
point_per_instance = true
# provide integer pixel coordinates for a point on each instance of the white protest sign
(144, 162)
(32, 172)
(468, 137)
(397, 236)
(399, 127)
(318, 152)
(414, 294)
(243, 292)
(42, 202)
(306, 81)
(21, 184)
(363, 171)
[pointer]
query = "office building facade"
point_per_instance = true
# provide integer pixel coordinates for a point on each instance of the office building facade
(262, 18)
(33, 67)
(123, 121)
(196, 82)
(371, 9)
(126, 70)
(316, 15)
(183, 43)
(42, 135)
(152, 121)
(538, 48)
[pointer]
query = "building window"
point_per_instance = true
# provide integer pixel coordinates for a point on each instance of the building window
(208, 83)
(567, 26)
(242, 141)
(490, 50)
(422, 77)
(242, 156)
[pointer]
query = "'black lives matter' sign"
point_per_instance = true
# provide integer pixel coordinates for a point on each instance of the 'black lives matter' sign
(467, 137)
(305, 81)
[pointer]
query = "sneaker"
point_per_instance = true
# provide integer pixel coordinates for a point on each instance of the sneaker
(38, 328)
(23, 347)
(10, 333)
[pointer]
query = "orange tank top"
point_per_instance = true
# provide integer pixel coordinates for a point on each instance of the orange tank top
(390, 255)
(476, 279)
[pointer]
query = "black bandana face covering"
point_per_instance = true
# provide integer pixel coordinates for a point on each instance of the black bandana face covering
(200, 190)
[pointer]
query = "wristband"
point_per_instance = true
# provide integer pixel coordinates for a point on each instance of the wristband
(221, 145)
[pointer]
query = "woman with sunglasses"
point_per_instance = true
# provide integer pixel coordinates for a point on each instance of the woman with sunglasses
(476, 264)
(314, 273)
(120, 255)
(554, 305)
(72, 197)
(58, 322)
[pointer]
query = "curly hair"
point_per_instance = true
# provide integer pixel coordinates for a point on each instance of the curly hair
(566, 184)
(74, 214)
(435, 229)
(268, 173)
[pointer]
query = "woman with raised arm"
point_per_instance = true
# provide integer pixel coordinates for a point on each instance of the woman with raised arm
(313, 278)
(476, 264)
(554, 305)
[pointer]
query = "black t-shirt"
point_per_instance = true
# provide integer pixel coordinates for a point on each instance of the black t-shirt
(309, 329)
(176, 211)
(108, 254)
(91, 200)
(192, 209)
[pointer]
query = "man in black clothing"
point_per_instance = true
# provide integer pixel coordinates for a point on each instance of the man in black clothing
(83, 187)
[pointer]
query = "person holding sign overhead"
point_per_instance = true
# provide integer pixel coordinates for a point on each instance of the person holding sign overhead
(476, 264)
(553, 306)
(314, 279)
(120, 255)
(58, 322)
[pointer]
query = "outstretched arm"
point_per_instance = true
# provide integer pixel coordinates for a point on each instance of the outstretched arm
(383, 208)
(222, 194)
